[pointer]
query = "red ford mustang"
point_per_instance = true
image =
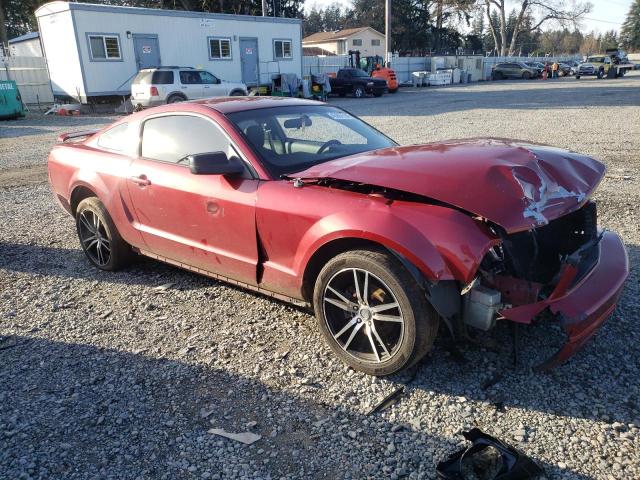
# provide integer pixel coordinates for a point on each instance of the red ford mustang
(306, 203)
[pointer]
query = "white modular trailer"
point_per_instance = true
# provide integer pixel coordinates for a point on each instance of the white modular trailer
(96, 50)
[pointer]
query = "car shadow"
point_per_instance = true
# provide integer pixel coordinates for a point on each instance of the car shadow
(72, 263)
(92, 412)
(483, 371)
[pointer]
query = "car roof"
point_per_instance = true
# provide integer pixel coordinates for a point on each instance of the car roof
(238, 104)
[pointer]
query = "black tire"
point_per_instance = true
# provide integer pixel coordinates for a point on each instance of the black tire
(358, 92)
(237, 93)
(526, 75)
(498, 75)
(577, 77)
(405, 341)
(175, 98)
(119, 251)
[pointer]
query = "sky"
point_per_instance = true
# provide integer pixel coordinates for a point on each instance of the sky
(606, 14)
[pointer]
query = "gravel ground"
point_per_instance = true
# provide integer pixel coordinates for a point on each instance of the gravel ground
(122, 375)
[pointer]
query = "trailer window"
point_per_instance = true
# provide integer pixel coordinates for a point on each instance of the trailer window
(282, 49)
(104, 47)
(219, 48)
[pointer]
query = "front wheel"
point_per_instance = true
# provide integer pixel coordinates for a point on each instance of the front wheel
(99, 237)
(358, 92)
(372, 313)
(526, 75)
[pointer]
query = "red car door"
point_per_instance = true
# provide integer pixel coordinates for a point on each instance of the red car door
(204, 221)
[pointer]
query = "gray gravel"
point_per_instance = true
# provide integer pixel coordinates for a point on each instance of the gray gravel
(122, 375)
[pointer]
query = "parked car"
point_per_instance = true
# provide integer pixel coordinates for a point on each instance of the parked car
(304, 202)
(539, 67)
(513, 70)
(156, 86)
(357, 83)
(564, 70)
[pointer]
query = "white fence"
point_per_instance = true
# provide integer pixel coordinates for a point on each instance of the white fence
(31, 75)
(479, 67)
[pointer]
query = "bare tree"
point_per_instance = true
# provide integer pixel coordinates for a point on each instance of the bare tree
(564, 12)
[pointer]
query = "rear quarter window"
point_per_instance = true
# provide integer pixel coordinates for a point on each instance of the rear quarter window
(122, 139)
(143, 78)
(162, 77)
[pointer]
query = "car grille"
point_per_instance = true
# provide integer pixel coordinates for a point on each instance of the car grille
(587, 69)
(537, 255)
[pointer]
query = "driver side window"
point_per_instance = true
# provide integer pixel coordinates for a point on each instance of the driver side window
(208, 78)
(171, 138)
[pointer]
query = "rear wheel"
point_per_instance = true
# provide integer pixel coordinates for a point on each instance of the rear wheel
(498, 75)
(175, 99)
(526, 75)
(358, 92)
(99, 237)
(372, 313)
(237, 93)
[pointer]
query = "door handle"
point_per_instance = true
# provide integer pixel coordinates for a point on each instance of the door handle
(140, 180)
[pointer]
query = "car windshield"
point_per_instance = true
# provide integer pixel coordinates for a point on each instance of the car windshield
(294, 138)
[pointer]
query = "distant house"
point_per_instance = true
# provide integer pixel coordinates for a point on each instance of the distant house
(366, 39)
(317, 51)
(27, 45)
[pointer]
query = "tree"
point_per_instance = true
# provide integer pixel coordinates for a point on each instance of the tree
(564, 12)
(630, 32)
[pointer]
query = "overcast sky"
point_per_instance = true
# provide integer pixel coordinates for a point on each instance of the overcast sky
(606, 14)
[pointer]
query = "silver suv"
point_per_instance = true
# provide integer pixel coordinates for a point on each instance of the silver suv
(157, 86)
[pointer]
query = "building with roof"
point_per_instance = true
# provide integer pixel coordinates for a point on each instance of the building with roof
(27, 45)
(366, 39)
(97, 50)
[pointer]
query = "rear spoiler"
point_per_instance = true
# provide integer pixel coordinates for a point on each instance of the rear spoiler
(76, 135)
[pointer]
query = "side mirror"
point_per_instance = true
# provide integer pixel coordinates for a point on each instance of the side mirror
(214, 163)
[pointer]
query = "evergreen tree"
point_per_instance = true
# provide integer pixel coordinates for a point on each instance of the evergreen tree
(630, 32)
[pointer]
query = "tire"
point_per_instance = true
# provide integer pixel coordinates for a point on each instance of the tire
(175, 98)
(577, 77)
(237, 93)
(407, 330)
(498, 75)
(526, 75)
(111, 253)
(359, 92)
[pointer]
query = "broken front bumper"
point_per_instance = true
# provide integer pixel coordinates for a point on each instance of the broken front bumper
(583, 307)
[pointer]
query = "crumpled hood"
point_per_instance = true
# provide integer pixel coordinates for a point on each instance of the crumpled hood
(517, 185)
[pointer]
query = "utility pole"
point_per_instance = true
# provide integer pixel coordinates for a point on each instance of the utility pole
(264, 8)
(387, 32)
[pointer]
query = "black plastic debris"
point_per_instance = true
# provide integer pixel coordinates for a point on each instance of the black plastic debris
(488, 459)
(387, 401)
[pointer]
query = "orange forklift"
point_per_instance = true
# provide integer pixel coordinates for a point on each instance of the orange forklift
(375, 67)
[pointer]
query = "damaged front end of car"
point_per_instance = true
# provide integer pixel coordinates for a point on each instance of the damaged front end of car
(566, 269)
